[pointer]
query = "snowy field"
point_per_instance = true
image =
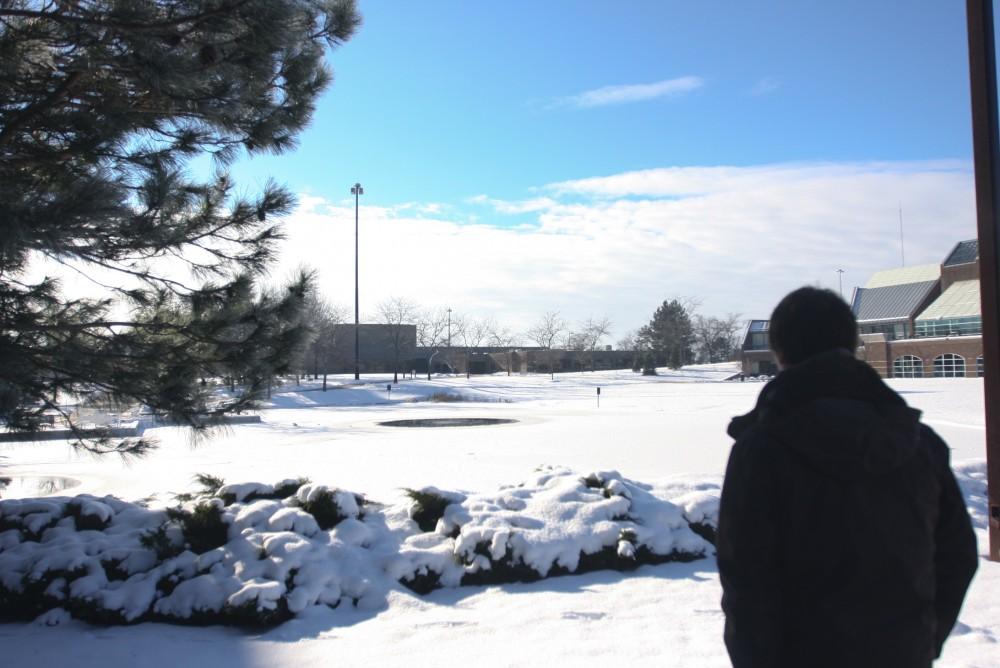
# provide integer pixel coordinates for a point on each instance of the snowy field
(666, 430)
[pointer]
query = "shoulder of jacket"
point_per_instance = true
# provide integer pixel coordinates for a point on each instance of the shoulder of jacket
(936, 447)
(758, 439)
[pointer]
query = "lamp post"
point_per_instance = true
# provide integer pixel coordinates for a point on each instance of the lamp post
(357, 191)
(840, 281)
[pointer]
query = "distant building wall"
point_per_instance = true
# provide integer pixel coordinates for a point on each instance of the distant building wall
(757, 362)
(559, 361)
(376, 347)
(927, 350)
(875, 349)
(882, 354)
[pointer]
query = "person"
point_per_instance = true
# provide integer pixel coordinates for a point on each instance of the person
(843, 538)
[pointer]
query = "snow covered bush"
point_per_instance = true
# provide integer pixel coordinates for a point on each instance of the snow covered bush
(247, 563)
(329, 506)
(554, 524)
(254, 554)
(203, 526)
(428, 505)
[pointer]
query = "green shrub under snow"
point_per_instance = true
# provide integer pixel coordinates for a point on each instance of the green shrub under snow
(255, 555)
(607, 523)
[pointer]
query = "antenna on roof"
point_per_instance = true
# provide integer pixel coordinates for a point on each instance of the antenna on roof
(902, 253)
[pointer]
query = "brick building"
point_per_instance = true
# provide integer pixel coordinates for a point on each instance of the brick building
(914, 322)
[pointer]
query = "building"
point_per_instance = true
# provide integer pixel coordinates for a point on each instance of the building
(944, 338)
(377, 347)
(913, 322)
(891, 300)
(378, 344)
(755, 350)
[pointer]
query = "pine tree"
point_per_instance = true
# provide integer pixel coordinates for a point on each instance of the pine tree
(670, 334)
(102, 105)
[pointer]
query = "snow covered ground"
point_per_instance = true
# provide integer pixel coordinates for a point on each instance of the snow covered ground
(666, 430)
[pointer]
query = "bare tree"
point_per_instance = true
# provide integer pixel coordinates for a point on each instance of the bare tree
(397, 313)
(545, 332)
(715, 338)
(432, 327)
(432, 333)
(629, 341)
(506, 339)
(473, 332)
(322, 318)
(591, 333)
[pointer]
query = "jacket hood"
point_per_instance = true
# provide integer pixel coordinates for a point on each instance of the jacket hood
(837, 413)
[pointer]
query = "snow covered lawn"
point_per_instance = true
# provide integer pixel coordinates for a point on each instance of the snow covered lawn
(668, 431)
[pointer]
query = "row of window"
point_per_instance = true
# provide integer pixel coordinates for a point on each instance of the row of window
(965, 326)
(948, 365)
(894, 331)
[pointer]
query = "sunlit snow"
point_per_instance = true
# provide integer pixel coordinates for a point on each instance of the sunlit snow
(666, 431)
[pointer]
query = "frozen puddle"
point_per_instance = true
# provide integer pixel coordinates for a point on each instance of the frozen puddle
(446, 422)
(21, 487)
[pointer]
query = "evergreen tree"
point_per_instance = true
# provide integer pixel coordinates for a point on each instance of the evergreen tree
(102, 104)
(669, 335)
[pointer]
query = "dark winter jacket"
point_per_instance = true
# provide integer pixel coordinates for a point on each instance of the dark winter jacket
(843, 538)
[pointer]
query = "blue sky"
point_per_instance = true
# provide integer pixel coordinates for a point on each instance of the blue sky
(435, 101)
(458, 118)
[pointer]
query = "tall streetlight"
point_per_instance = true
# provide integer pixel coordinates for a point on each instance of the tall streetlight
(840, 281)
(357, 191)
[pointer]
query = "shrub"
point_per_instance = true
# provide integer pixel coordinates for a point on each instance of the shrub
(287, 489)
(703, 529)
(203, 527)
(427, 508)
(210, 484)
(446, 397)
(324, 507)
(159, 542)
(85, 521)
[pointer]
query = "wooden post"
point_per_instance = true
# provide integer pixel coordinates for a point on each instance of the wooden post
(986, 151)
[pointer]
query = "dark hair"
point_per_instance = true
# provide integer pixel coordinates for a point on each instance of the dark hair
(810, 321)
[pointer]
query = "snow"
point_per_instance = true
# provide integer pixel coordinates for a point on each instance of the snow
(653, 439)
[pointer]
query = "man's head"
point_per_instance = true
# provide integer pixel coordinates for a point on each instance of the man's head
(810, 321)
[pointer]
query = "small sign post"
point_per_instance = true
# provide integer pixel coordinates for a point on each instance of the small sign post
(598, 397)
(388, 391)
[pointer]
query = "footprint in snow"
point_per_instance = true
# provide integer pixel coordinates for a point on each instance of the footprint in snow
(445, 624)
(584, 615)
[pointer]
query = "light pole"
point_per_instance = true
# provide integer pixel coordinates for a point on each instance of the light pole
(357, 191)
(449, 327)
(840, 281)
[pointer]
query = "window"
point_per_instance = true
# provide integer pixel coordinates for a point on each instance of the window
(908, 366)
(965, 326)
(979, 366)
(949, 365)
(758, 341)
(892, 331)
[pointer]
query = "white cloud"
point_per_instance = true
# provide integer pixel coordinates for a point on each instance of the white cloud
(736, 237)
(765, 86)
(600, 97)
(515, 207)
